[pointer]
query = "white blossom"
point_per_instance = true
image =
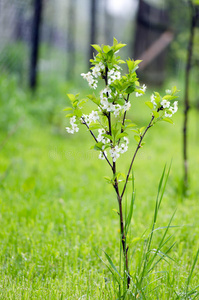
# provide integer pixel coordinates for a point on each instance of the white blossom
(172, 110)
(175, 107)
(110, 106)
(90, 79)
(100, 137)
(123, 148)
(126, 140)
(74, 128)
(93, 116)
(96, 71)
(101, 155)
(165, 103)
(86, 119)
(127, 106)
(168, 92)
(153, 101)
(143, 89)
(117, 109)
(113, 75)
(168, 114)
(114, 152)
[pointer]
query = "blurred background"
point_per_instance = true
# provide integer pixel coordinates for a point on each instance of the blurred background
(45, 40)
(54, 204)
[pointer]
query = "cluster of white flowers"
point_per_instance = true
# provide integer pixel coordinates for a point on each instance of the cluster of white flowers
(117, 150)
(92, 117)
(96, 71)
(114, 74)
(109, 106)
(74, 127)
(101, 155)
(143, 89)
(100, 137)
(114, 151)
(165, 103)
(169, 109)
(92, 82)
(91, 77)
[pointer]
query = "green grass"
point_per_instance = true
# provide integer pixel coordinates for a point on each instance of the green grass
(56, 208)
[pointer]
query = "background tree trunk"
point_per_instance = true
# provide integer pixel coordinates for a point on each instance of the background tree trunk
(151, 23)
(71, 40)
(93, 35)
(193, 23)
(36, 26)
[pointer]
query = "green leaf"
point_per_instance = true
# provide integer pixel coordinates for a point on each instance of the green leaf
(94, 99)
(130, 64)
(156, 114)
(121, 135)
(149, 104)
(174, 90)
(115, 42)
(97, 47)
(121, 61)
(137, 62)
(169, 97)
(142, 129)
(71, 97)
(77, 112)
(69, 115)
(112, 265)
(98, 146)
(169, 120)
(130, 89)
(82, 102)
(137, 138)
(106, 48)
(94, 126)
(119, 46)
(108, 179)
(107, 136)
(121, 101)
(67, 109)
(131, 125)
(135, 130)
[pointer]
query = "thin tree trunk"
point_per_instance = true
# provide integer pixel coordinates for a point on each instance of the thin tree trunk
(71, 40)
(186, 97)
(35, 43)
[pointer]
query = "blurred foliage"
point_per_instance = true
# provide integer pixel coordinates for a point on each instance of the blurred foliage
(12, 103)
(17, 105)
(13, 59)
(180, 20)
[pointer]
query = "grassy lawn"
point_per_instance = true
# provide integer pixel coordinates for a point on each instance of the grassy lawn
(56, 208)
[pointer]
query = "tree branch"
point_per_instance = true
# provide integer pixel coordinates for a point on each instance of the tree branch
(134, 156)
(84, 122)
